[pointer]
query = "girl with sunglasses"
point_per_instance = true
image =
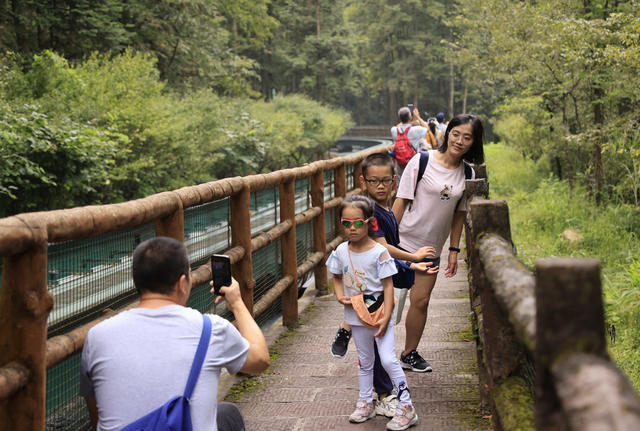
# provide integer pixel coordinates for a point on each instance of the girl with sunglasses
(363, 266)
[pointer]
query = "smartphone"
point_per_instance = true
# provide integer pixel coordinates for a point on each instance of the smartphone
(221, 270)
(410, 106)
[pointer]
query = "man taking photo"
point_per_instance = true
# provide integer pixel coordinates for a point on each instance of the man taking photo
(137, 360)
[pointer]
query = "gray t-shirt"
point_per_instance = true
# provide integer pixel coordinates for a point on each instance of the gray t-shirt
(415, 134)
(137, 360)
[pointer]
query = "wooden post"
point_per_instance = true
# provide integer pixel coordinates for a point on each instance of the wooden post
(501, 352)
(357, 171)
(319, 233)
(25, 303)
(289, 255)
(473, 188)
(172, 225)
(240, 221)
(340, 182)
(569, 319)
(481, 171)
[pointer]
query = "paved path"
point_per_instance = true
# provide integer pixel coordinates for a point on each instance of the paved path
(308, 389)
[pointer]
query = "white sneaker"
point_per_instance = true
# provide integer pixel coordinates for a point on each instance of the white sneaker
(387, 406)
(363, 412)
(404, 418)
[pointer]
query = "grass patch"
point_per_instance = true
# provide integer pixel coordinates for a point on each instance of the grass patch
(541, 207)
(255, 383)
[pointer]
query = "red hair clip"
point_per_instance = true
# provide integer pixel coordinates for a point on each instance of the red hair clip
(373, 224)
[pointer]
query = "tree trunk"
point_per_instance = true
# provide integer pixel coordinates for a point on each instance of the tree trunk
(464, 100)
(317, 17)
(596, 178)
(416, 91)
(393, 106)
(451, 90)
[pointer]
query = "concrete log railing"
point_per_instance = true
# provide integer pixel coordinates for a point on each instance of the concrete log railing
(25, 301)
(551, 323)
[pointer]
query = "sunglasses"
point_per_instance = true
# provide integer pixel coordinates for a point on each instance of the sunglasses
(356, 222)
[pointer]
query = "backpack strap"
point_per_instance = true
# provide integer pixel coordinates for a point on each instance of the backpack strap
(468, 171)
(424, 159)
(198, 360)
(403, 133)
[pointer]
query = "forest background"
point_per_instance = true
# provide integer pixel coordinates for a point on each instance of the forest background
(106, 101)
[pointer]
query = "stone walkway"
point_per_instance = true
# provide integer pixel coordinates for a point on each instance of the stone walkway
(306, 388)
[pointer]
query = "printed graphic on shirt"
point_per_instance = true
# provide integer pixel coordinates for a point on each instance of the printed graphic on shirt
(445, 193)
(347, 280)
(359, 284)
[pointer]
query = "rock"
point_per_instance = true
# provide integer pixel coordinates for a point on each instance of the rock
(572, 236)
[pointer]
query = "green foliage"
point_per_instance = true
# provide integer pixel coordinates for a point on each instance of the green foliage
(565, 76)
(542, 207)
(47, 165)
(260, 137)
(150, 139)
(519, 122)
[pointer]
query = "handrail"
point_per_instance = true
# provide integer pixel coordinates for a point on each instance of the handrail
(552, 320)
(25, 302)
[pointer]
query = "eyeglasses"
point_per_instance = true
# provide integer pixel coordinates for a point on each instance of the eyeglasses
(377, 182)
(356, 222)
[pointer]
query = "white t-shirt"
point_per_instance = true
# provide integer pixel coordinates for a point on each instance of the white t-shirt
(371, 267)
(428, 221)
(138, 360)
(415, 134)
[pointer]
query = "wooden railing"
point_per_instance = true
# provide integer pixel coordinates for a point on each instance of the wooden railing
(542, 353)
(25, 301)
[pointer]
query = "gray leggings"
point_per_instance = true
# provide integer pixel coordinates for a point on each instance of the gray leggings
(229, 417)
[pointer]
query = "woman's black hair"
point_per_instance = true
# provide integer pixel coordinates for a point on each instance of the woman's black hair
(476, 153)
(363, 203)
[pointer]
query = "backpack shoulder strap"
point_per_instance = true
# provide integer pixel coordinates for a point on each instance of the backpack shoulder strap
(468, 171)
(424, 159)
(198, 360)
(405, 131)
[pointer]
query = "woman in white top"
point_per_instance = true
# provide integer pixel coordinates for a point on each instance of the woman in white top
(429, 212)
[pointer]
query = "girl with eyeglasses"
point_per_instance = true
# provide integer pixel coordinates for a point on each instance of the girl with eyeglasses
(363, 266)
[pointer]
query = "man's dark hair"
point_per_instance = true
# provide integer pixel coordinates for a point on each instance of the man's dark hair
(476, 153)
(378, 159)
(404, 115)
(158, 263)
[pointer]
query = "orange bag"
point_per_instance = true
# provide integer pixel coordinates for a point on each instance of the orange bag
(370, 319)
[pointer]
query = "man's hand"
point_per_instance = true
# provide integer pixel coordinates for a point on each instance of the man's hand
(423, 252)
(230, 294)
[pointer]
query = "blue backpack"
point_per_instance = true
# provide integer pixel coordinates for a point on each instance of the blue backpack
(175, 414)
